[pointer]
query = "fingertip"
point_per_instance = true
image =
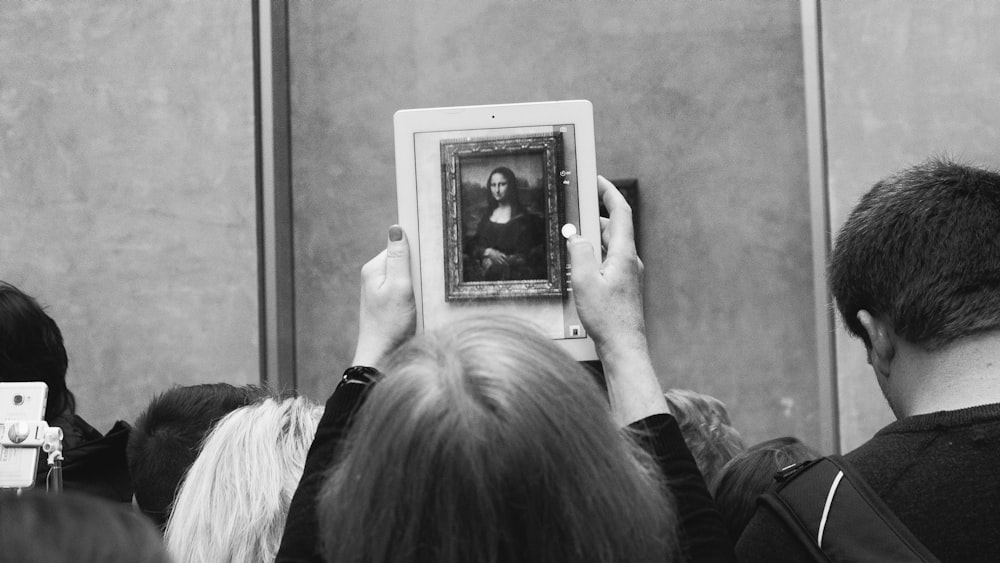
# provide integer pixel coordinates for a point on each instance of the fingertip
(397, 261)
(582, 260)
(398, 245)
(577, 243)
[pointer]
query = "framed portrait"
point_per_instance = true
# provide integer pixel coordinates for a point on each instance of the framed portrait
(502, 204)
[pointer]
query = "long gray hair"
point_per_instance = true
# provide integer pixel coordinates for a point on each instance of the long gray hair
(485, 442)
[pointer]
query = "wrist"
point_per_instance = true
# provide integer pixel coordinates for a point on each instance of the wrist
(620, 354)
(360, 375)
(634, 391)
(371, 355)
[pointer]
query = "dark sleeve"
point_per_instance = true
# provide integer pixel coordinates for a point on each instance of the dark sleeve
(703, 535)
(300, 540)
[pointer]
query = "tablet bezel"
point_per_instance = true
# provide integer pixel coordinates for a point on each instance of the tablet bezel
(579, 113)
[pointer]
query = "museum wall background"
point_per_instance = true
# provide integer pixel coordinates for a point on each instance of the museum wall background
(703, 103)
(127, 190)
(127, 170)
(904, 80)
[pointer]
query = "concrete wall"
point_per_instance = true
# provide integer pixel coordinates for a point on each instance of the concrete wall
(904, 80)
(702, 102)
(127, 190)
(126, 175)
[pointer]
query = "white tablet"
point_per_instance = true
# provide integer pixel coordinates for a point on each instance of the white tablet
(483, 195)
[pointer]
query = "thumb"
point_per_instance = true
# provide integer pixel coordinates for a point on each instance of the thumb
(582, 261)
(397, 263)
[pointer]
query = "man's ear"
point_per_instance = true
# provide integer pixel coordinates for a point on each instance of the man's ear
(882, 349)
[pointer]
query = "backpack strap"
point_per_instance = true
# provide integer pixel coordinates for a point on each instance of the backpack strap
(839, 517)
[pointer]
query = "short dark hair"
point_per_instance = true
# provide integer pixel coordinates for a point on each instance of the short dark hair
(751, 474)
(73, 526)
(922, 250)
(167, 437)
(31, 348)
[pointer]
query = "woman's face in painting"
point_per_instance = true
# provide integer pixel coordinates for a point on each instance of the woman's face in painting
(499, 186)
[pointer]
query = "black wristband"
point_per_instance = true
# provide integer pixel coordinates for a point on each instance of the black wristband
(360, 375)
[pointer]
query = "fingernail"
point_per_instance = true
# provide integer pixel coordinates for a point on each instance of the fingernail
(395, 233)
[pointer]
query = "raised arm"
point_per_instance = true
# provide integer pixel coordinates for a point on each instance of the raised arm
(387, 318)
(609, 300)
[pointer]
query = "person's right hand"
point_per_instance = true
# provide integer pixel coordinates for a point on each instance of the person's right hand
(388, 310)
(609, 300)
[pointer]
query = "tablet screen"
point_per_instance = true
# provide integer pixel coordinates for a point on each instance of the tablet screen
(489, 206)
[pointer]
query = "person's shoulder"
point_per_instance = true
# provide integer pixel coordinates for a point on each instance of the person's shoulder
(901, 439)
(920, 446)
(76, 430)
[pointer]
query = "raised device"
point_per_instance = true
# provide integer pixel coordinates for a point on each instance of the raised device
(483, 194)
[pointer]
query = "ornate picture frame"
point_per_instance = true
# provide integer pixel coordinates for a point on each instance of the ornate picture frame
(510, 254)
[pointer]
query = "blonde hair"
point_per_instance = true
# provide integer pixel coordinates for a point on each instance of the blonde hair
(485, 442)
(708, 432)
(233, 502)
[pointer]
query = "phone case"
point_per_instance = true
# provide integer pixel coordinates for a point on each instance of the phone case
(20, 401)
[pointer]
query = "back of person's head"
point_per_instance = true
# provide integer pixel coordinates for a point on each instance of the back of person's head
(751, 474)
(707, 430)
(69, 527)
(167, 436)
(31, 349)
(233, 501)
(922, 250)
(485, 442)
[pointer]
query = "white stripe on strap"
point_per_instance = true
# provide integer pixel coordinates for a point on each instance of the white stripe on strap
(826, 509)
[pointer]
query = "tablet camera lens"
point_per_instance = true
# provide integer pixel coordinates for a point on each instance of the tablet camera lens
(18, 399)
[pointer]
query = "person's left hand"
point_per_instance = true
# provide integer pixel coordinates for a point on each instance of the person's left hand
(608, 295)
(388, 310)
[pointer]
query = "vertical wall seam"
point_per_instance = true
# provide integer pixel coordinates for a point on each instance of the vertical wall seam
(819, 203)
(274, 195)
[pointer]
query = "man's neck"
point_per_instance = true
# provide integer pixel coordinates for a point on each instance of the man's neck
(965, 373)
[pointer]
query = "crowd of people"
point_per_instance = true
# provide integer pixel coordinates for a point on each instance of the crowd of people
(484, 441)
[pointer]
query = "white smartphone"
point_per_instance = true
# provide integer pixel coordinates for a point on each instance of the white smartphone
(20, 401)
(483, 195)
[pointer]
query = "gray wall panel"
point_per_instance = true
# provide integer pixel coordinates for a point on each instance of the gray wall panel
(127, 190)
(703, 103)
